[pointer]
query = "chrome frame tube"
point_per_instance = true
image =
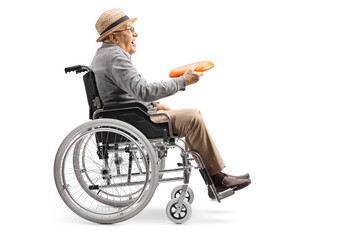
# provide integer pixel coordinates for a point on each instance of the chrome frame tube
(185, 144)
(175, 169)
(174, 179)
(119, 184)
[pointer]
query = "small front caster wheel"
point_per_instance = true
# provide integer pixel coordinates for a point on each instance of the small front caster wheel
(184, 214)
(176, 192)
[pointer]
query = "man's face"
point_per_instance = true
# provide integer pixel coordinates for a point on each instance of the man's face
(127, 38)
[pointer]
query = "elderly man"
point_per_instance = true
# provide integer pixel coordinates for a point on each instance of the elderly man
(119, 82)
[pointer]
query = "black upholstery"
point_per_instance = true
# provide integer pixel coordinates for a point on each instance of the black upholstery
(139, 120)
(92, 93)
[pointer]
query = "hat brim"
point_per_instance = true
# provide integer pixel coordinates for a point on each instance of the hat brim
(105, 34)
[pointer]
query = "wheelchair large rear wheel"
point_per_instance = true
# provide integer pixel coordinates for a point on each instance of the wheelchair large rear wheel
(105, 171)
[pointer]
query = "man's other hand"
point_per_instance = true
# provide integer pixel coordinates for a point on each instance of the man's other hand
(191, 76)
(162, 107)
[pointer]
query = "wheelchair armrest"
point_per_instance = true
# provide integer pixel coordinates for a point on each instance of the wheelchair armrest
(161, 114)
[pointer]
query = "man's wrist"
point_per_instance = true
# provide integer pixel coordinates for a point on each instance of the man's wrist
(181, 83)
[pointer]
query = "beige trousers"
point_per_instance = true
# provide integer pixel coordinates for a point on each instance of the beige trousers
(190, 124)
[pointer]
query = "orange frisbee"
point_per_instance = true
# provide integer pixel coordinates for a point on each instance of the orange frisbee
(199, 67)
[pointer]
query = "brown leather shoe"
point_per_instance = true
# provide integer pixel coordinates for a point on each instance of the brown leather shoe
(228, 182)
(245, 176)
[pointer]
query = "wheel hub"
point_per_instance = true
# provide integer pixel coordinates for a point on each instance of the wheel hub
(105, 172)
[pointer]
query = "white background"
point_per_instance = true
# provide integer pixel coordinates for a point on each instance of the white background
(281, 103)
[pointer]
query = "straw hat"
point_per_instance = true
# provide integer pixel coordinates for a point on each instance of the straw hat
(111, 21)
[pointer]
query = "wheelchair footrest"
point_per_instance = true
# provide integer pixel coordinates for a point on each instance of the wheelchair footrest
(227, 193)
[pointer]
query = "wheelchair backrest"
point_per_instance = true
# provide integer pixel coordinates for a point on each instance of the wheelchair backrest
(92, 93)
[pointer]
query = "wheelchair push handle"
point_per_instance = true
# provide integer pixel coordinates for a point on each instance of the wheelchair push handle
(77, 69)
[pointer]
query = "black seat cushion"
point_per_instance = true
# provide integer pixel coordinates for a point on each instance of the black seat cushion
(135, 115)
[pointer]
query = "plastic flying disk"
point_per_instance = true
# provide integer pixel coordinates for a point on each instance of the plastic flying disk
(199, 67)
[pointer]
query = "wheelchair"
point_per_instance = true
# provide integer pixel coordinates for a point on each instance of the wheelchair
(107, 170)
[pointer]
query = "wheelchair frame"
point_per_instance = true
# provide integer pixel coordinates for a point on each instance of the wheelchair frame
(160, 139)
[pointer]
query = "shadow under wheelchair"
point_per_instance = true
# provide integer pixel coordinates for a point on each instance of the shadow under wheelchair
(156, 215)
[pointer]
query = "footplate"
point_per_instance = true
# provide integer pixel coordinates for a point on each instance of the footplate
(227, 193)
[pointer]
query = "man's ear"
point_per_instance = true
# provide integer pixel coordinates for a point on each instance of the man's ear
(113, 39)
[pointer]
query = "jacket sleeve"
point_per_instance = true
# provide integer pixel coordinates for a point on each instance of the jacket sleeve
(128, 79)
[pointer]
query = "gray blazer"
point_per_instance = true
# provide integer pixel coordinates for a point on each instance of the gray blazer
(119, 82)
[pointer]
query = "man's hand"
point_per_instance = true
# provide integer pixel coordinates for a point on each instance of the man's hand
(162, 107)
(191, 76)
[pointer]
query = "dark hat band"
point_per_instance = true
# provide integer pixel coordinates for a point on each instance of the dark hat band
(114, 24)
